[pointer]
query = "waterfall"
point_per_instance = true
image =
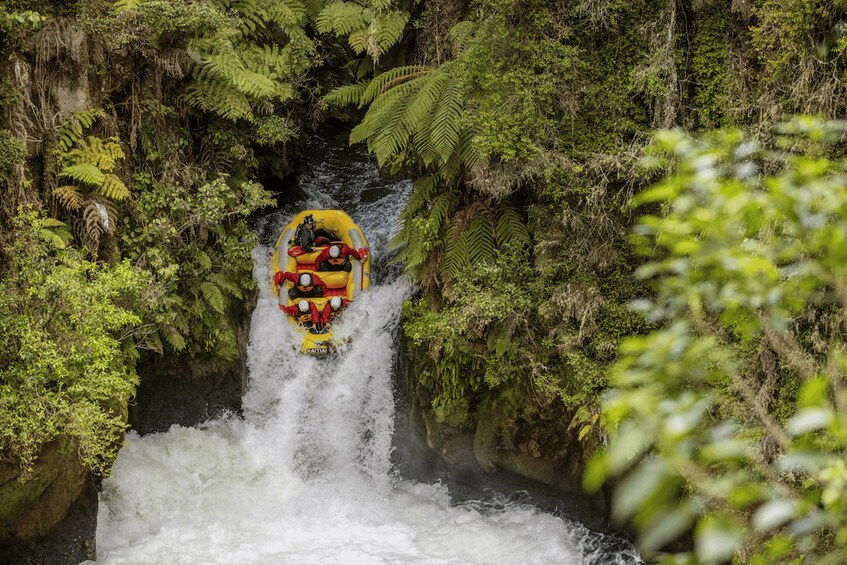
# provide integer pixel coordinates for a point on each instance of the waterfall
(305, 475)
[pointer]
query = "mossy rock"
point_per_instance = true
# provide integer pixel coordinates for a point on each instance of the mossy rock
(33, 506)
(51, 516)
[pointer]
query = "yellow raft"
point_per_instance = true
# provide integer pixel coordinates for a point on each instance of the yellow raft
(336, 226)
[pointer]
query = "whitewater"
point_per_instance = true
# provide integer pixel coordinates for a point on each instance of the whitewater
(305, 475)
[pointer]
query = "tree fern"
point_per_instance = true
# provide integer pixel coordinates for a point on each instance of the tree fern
(371, 29)
(446, 128)
(510, 229)
(347, 95)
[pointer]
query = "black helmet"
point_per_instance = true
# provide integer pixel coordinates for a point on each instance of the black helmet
(309, 220)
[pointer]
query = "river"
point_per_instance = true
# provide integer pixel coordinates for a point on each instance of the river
(319, 468)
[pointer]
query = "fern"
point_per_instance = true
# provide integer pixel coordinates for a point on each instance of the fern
(113, 188)
(213, 296)
(72, 130)
(479, 239)
(341, 18)
(225, 284)
(391, 78)
(445, 131)
(511, 229)
(84, 173)
(69, 197)
(174, 337)
(424, 189)
(347, 94)
(219, 98)
(203, 259)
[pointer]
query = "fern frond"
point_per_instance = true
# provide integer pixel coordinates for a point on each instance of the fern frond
(423, 190)
(72, 130)
(421, 108)
(113, 188)
(225, 284)
(388, 30)
(342, 18)
(214, 297)
(479, 239)
(440, 209)
(99, 218)
(446, 121)
(460, 35)
(203, 259)
(393, 134)
(455, 250)
(314, 7)
(391, 78)
(85, 173)
(347, 94)
(511, 228)
(69, 197)
(220, 99)
(174, 337)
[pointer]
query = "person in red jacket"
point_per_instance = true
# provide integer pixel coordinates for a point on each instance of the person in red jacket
(306, 285)
(332, 308)
(306, 313)
(336, 257)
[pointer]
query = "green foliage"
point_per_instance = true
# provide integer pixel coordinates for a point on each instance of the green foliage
(371, 27)
(89, 164)
(64, 366)
(196, 244)
(739, 257)
(12, 152)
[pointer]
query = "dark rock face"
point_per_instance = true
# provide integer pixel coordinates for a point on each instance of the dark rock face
(491, 445)
(179, 389)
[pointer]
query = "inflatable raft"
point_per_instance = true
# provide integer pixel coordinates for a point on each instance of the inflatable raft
(331, 227)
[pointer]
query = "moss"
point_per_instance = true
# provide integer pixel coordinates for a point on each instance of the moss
(31, 507)
(709, 63)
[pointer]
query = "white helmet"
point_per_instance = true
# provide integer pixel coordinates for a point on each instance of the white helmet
(303, 305)
(335, 302)
(334, 251)
(305, 279)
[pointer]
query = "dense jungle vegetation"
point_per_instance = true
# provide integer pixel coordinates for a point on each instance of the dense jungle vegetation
(590, 279)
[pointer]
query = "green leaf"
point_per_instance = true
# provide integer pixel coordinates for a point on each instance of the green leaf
(717, 539)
